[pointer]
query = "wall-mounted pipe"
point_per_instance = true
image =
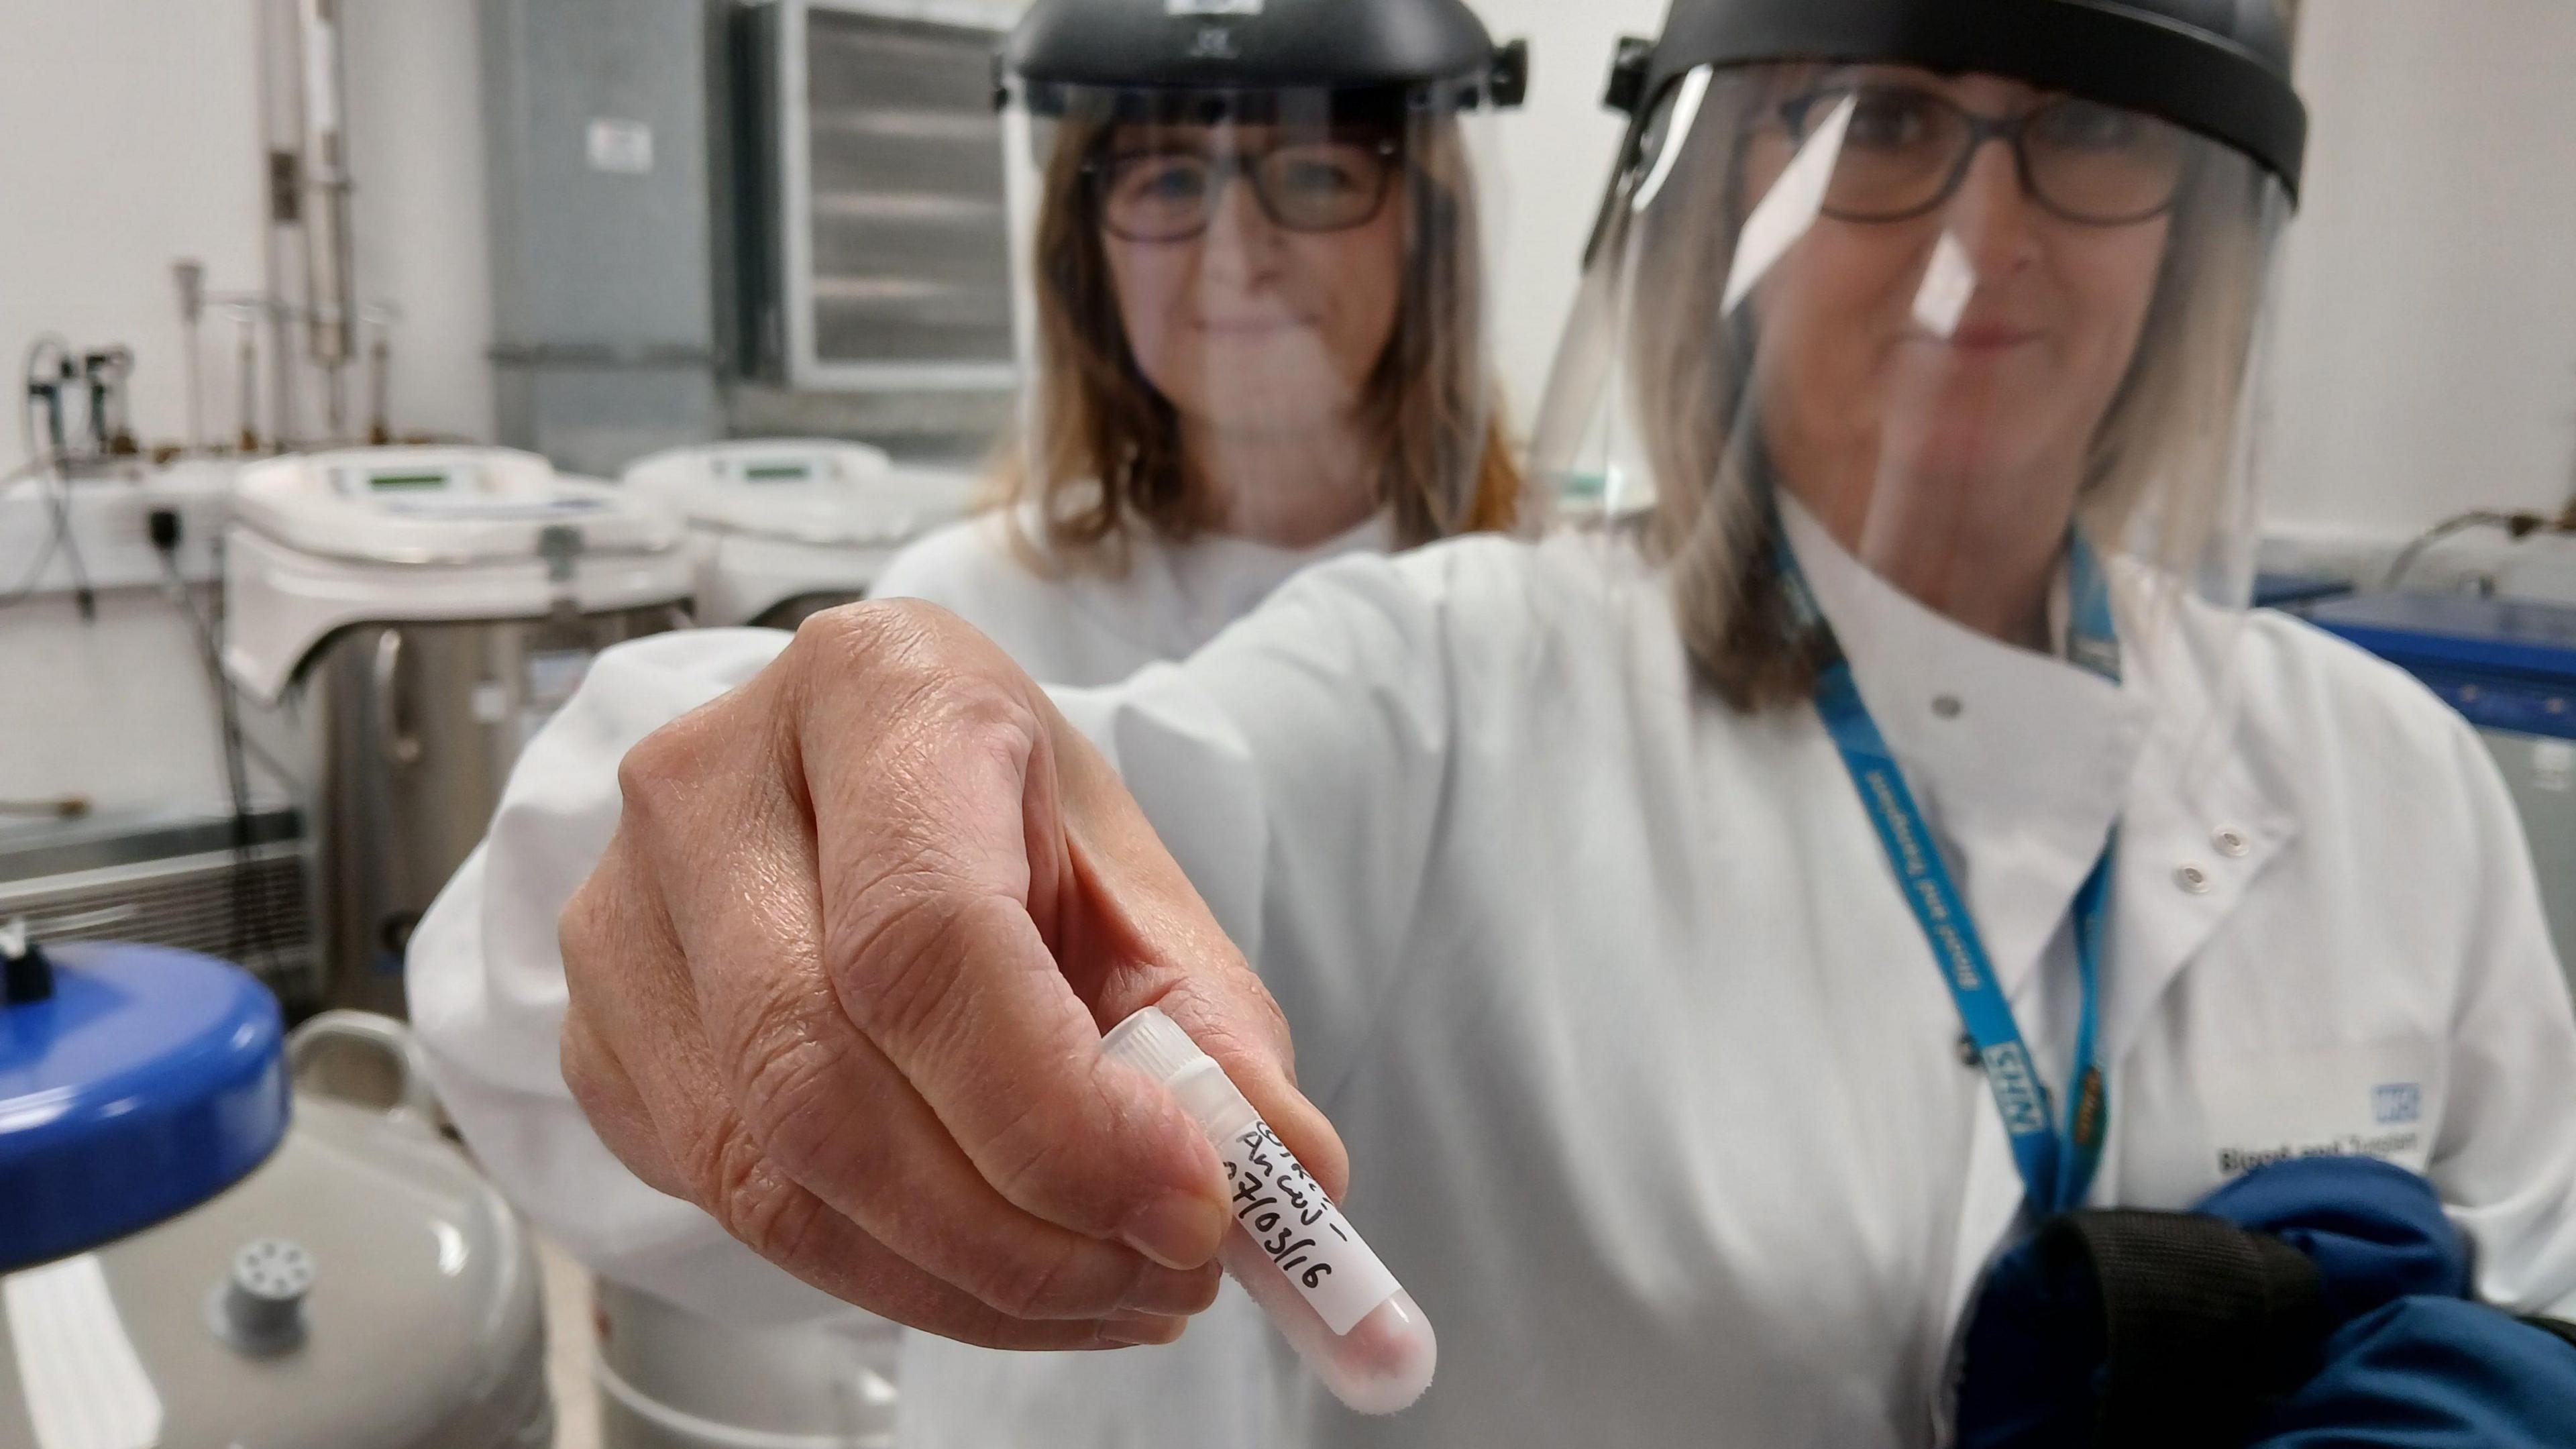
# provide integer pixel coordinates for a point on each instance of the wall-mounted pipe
(312, 274)
(331, 293)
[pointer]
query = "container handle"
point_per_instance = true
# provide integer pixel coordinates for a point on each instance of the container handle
(393, 735)
(388, 1037)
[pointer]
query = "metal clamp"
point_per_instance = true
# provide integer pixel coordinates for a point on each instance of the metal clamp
(561, 546)
(1508, 85)
(1628, 72)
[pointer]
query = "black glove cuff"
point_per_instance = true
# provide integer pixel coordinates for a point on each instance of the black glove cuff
(2202, 1322)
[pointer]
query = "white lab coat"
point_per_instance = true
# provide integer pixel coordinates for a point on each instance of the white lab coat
(1082, 629)
(1651, 1088)
(487, 993)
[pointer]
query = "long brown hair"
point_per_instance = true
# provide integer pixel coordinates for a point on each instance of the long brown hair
(2160, 465)
(1107, 452)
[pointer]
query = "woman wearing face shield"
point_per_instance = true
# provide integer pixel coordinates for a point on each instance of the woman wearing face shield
(1253, 276)
(1256, 287)
(1704, 940)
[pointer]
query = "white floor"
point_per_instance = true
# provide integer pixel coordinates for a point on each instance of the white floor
(571, 1347)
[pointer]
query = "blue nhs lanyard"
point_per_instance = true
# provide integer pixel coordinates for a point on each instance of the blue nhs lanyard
(2057, 1166)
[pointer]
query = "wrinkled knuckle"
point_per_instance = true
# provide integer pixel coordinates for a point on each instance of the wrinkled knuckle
(794, 1099)
(875, 638)
(1030, 1161)
(761, 1207)
(1032, 1287)
(906, 958)
(1034, 1164)
(1266, 1035)
(728, 1168)
(651, 775)
(581, 931)
(700, 1155)
(913, 655)
(587, 1078)
(785, 1077)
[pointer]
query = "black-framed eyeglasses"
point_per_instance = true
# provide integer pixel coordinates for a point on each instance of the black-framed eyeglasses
(1313, 186)
(1907, 151)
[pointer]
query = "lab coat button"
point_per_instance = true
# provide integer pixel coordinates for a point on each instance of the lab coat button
(2194, 879)
(1947, 706)
(2231, 842)
(1969, 1056)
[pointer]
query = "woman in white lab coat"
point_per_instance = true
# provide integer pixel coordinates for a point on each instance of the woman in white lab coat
(1705, 939)
(1257, 287)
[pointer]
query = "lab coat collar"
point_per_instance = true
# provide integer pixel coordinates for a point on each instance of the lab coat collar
(2040, 759)
(1219, 578)
(2208, 813)
(2022, 761)
(1172, 598)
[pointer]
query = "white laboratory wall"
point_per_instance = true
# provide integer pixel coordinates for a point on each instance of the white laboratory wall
(416, 147)
(1556, 156)
(133, 140)
(133, 131)
(2426, 349)
(120, 712)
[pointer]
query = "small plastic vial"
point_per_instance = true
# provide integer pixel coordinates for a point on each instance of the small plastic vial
(1298, 1257)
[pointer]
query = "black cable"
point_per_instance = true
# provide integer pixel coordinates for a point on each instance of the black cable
(50, 386)
(249, 929)
(59, 515)
(84, 595)
(27, 400)
(238, 747)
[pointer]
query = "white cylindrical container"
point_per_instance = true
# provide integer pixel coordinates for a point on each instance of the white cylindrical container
(1298, 1257)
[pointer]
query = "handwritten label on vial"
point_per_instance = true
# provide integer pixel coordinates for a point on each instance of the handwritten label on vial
(1288, 1214)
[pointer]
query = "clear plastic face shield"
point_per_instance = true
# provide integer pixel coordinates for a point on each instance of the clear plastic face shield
(1982, 340)
(1260, 312)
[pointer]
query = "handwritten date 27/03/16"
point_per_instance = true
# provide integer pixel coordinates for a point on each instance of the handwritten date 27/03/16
(1286, 1210)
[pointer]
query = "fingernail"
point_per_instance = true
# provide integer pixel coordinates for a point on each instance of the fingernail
(1139, 1330)
(1180, 1231)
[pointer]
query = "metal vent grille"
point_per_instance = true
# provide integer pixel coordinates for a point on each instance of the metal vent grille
(191, 902)
(901, 271)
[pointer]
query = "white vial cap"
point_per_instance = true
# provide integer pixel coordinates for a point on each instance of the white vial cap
(1154, 1044)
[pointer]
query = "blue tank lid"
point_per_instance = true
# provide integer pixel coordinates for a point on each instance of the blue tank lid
(148, 1081)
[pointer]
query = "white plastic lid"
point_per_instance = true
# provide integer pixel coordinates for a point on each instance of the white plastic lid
(1154, 1044)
